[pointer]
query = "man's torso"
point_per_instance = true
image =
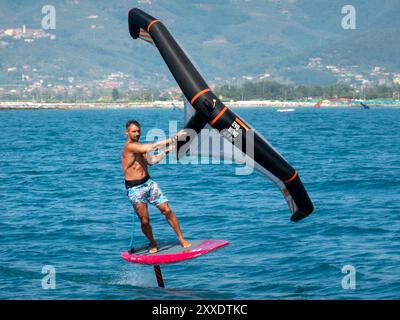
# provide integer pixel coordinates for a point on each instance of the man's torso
(134, 165)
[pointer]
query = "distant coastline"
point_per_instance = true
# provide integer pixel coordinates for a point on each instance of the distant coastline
(179, 104)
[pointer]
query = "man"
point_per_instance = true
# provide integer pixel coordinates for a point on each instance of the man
(141, 189)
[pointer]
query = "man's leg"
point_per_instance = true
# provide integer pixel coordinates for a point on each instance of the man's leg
(173, 222)
(143, 214)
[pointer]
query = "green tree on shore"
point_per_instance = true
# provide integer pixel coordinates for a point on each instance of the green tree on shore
(115, 94)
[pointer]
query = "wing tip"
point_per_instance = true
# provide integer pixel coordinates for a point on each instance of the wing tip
(298, 215)
(134, 30)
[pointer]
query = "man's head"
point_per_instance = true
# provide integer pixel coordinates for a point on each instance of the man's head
(133, 130)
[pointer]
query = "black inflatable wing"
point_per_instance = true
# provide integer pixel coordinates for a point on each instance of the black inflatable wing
(209, 111)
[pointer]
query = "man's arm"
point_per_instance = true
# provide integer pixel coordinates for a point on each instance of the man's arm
(165, 143)
(151, 160)
(137, 147)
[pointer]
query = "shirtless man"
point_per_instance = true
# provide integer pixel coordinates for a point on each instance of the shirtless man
(141, 189)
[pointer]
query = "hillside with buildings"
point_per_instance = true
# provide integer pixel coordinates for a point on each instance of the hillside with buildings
(90, 52)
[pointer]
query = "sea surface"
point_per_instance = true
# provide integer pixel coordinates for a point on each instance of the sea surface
(65, 218)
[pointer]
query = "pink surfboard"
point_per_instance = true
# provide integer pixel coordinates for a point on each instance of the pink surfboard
(172, 252)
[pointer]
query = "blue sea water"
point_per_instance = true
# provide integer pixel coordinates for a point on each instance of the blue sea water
(63, 204)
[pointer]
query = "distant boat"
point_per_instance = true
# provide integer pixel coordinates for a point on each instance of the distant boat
(285, 110)
(175, 105)
(364, 106)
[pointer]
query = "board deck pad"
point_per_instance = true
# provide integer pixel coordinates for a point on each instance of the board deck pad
(172, 252)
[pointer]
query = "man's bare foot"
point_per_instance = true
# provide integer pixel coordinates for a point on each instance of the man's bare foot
(153, 248)
(184, 243)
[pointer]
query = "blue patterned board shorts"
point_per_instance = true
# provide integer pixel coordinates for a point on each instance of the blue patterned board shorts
(148, 192)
